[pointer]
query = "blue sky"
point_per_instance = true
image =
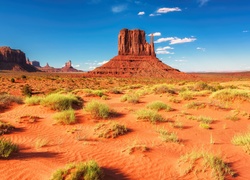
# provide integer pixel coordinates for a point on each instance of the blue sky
(190, 35)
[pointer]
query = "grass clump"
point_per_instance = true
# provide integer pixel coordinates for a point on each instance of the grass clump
(130, 98)
(204, 163)
(89, 170)
(186, 95)
(5, 128)
(242, 140)
(34, 100)
(90, 92)
(149, 115)
(168, 136)
(27, 90)
(195, 105)
(6, 100)
(7, 148)
(65, 117)
(40, 142)
(158, 105)
(231, 95)
(163, 88)
(60, 102)
(110, 130)
(98, 109)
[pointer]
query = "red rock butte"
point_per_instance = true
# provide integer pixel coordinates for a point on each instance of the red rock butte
(136, 58)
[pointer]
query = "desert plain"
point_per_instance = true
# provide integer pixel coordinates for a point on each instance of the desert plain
(174, 128)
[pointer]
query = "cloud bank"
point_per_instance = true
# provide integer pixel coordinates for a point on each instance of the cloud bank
(119, 8)
(175, 40)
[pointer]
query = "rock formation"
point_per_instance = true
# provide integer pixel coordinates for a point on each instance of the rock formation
(35, 63)
(67, 68)
(12, 59)
(136, 58)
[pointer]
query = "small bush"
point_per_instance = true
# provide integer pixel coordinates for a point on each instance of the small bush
(61, 102)
(65, 117)
(199, 163)
(130, 98)
(110, 130)
(7, 148)
(195, 105)
(163, 88)
(91, 92)
(231, 95)
(168, 136)
(27, 90)
(158, 105)
(204, 125)
(187, 95)
(40, 142)
(34, 100)
(6, 100)
(242, 140)
(12, 80)
(97, 109)
(85, 170)
(5, 128)
(149, 115)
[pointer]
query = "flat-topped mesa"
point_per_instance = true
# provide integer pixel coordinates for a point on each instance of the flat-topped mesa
(133, 42)
(12, 55)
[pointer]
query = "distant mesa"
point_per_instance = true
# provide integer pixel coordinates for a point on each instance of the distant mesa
(67, 68)
(13, 59)
(136, 58)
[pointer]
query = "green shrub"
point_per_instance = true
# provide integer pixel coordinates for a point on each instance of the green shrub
(12, 80)
(204, 125)
(110, 130)
(97, 109)
(195, 105)
(149, 115)
(158, 105)
(7, 148)
(163, 88)
(187, 95)
(6, 100)
(231, 95)
(242, 140)
(61, 102)
(34, 100)
(27, 90)
(85, 170)
(202, 162)
(5, 128)
(91, 92)
(65, 117)
(168, 136)
(130, 98)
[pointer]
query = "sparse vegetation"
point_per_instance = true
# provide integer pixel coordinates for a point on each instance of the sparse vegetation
(200, 163)
(65, 117)
(149, 115)
(7, 148)
(130, 98)
(98, 109)
(195, 105)
(89, 170)
(6, 100)
(158, 105)
(27, 90)
(110, 130)
(186, 95)
(163, 88)
(41, 142)
(33, 100)
(168, 136)
(231, 95)
(243, 140)
(5, 128)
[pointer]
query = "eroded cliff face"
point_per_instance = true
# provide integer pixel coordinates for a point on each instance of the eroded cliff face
(136, 58)
(12, 55)
(133, 42)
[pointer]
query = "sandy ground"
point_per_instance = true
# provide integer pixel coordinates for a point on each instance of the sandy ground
(78, 142)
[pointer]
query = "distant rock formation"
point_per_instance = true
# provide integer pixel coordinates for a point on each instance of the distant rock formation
(35, 63)
(136, 58)
(12, 59)
(67, 68)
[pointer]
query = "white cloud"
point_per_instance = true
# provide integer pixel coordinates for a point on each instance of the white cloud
(76, 66)
(200, 48)
(154, 14)
(119, 8)
(164, 48)
(92, 67)
(101, 63)
(163, 52)
(180, 60)
(167, 10)
(202, 2)
(155, 34)
(245, 31)
(141, 13)
(160, 40)
(180, 41)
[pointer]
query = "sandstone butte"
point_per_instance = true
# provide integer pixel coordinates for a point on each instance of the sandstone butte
(136, 58)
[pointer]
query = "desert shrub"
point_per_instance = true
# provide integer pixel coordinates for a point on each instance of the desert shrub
(158, 105)
(199, 163)
(91, 92)
(7, 148)
(167, 136)
(203, 119)
(61, 102)
(204, 125)
(243, 140)
(76, 171)
(12, 80)
(41, 142)
(149, 115)
(65, 117)
(115, 91)
(27, 90)
(34, 100)
(195, 105)
(174, 100)
(187, 95)
(231, 95)
(110, 130)
(5, 128)
(163, 88)
(130, 98)
(23, 77)
(97, 109)
(6, 100)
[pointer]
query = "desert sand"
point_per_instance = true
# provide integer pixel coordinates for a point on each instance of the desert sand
(118, 157)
